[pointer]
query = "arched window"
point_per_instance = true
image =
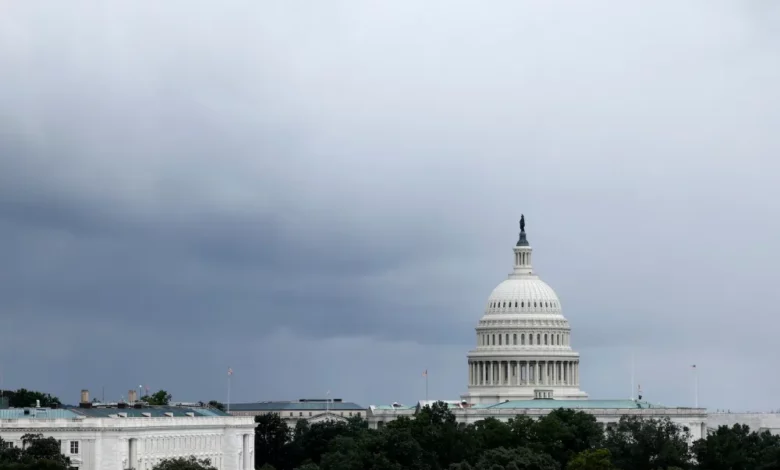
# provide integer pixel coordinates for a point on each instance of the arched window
(499, 340)
(522, 304)
(531, 339)
(545, 339)
(534, 304)
(515, 303)
(538, 338)
(494, 340)
(522, 339)
(514, 339)
(506, 341)
(503, 305)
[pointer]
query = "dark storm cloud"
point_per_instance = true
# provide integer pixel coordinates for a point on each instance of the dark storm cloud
(303, 195)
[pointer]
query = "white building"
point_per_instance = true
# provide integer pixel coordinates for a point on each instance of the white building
(313, 410)
(524, 364)
(123, 436)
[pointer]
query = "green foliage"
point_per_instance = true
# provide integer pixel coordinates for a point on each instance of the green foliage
(38, 453)
(562, 440)
(737, 448)
(648, 444)
(217, 405)
(184, 463)
(593, 459)
(25, 398)
(159, 398)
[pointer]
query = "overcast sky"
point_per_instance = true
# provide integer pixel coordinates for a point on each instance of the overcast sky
(322, 195)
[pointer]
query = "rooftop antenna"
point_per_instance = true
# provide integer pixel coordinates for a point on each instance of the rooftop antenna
(632, 374)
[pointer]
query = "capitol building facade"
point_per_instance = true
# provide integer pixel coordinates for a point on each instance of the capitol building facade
(523, 364)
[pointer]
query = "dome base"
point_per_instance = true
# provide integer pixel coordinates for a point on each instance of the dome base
(493, 395)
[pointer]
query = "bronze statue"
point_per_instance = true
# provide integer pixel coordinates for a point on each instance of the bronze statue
(522, 223)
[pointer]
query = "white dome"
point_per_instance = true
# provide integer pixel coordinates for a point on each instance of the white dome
(523, 295)
(523, 348)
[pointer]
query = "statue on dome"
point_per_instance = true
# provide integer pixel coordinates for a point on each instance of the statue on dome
(522, 223)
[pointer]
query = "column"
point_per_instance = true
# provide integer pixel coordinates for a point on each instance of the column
(247, 444)
(132, 453)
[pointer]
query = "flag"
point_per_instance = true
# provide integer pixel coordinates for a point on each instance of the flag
(425, 373)
(230, 371)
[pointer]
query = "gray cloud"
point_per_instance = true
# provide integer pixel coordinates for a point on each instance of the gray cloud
(323, 198)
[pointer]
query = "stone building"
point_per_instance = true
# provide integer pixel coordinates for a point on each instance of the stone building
(119, 436)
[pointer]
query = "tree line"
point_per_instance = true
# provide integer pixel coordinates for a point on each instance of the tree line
(563, 440)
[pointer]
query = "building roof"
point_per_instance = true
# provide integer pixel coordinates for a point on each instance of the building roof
(147, 412)
(573, 404)
(310, 405)
(37, 413)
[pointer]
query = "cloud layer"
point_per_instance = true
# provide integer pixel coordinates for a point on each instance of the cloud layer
(323, 196)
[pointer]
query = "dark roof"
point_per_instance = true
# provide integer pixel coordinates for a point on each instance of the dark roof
(295, 405)
(147, 411)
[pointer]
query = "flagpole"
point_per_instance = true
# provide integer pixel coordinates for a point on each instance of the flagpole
(426, 384)
(230, 374)
(695, 387)
(632, 375)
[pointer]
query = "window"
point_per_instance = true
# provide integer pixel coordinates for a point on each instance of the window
(300, 413)
(522, 339)
(74, 447)
(531, 339)
(499, 340)
(538, 338)
(545, 339)
(309, 413)
(515, 303)
(506, 340)
(494, 340)
(522, 304)
(514, 339)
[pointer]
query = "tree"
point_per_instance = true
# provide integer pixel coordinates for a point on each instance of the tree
(737, 448)
(564, 433)
(648, 444)
(217, 405)
(597, 459)
(521, 458)
(271, 437)
(23, 398)
(184, 463)
(38, 453)
(159, 398)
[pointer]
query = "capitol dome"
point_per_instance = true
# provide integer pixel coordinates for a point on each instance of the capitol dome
(523, 340)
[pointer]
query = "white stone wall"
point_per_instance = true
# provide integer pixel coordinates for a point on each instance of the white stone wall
(756, 421)
(104, 443)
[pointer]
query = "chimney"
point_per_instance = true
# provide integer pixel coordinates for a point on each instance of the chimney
(85, 396)
(132, 396)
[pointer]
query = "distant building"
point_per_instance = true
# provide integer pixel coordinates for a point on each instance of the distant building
(312, 410)
(524, 364)
(133, 435)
